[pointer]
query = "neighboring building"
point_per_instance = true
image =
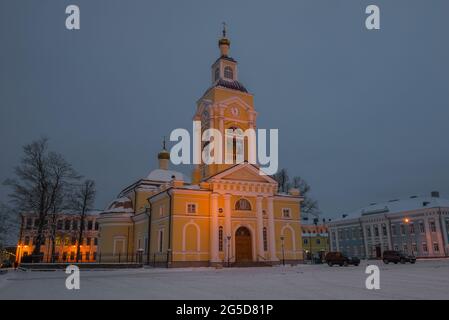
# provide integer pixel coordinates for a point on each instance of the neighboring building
(417, 225)
(229, 213)
(315, 240)
(66, 239)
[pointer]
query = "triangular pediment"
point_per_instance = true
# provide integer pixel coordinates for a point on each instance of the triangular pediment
(243, 172)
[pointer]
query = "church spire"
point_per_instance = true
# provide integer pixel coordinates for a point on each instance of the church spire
(224, 43)
(163, 157)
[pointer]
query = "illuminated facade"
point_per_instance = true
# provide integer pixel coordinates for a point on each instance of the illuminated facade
(417, 225)
(315, 240)
(227, 214)
(66, 239)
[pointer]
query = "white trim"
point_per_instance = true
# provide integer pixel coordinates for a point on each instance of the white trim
(198, 235)
(288, 226)
(117, 239)
(289, 213)
(253, 241)
(196, 208)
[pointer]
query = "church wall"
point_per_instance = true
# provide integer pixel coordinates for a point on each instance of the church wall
(114, 240)
(191, 230)
(290, 228)
(159, 230)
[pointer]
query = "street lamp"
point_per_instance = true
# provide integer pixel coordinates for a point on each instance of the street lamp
(229, 250)
(282, 246)
(407, 221)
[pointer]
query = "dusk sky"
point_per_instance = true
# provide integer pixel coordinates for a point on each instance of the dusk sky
(362, 115)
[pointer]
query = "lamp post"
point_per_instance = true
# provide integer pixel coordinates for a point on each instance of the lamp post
(229, 250)
(282, 246)
(409, 249)
(168, 258)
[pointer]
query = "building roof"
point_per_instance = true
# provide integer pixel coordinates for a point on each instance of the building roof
(230, 84)
(398, 205)
(123, 204)
(165, 175)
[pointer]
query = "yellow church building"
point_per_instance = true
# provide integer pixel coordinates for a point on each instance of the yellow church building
(229, 214)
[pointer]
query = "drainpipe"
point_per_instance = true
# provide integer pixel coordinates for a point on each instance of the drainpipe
(169, 227)
(149, 215)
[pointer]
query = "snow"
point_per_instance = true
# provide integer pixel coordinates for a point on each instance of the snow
(397, 206)
(165, 175)
(427, 279)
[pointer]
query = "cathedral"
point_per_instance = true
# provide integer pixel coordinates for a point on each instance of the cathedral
(226, 214)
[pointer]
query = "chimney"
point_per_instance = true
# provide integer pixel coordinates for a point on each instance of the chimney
(435, 194)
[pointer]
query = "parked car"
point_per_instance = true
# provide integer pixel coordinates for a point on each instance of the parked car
(397, 256)
(340, 259)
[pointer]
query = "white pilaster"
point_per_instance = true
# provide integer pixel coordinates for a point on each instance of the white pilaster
(445, 235)
(271, 230)
(388, 226)
(428, 236)
(260, 249)
(214, 228)
(337, 238)
(439, 236)
(227, 210)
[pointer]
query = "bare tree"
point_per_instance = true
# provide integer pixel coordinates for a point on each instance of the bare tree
(41, 177)
(64, 178)
(308, 205)
(4, 225)
(282, 179)
(82, 202)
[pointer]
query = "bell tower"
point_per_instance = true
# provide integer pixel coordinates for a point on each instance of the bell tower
(225, 67)
(226, 104)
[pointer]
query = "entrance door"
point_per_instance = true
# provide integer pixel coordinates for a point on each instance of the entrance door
(243, 249)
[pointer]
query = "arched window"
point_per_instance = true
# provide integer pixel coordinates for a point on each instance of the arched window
(217, 74)
(265, 240)
(243, 205)
(220, 239)
(228, 73)
(234, 145)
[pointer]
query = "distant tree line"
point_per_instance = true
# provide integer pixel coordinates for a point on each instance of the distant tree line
(46, 184)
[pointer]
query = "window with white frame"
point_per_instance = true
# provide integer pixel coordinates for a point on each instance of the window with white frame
(436, 247)
(368, 231)
(191, 208)
(432, 226)
(396, 247)
(265, 239)
(286, 213)
(414, 247)
(220, 238)
(424, 247)
(421, 227)
(384, 230)
(228, 73)
(161, 210)
(243, 205)
(376, 231)
(412, 228)
(404, 247)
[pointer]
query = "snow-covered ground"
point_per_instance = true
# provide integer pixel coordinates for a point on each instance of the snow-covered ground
(424, 280)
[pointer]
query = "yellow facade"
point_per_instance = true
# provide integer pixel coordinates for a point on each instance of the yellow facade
(228, 214)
